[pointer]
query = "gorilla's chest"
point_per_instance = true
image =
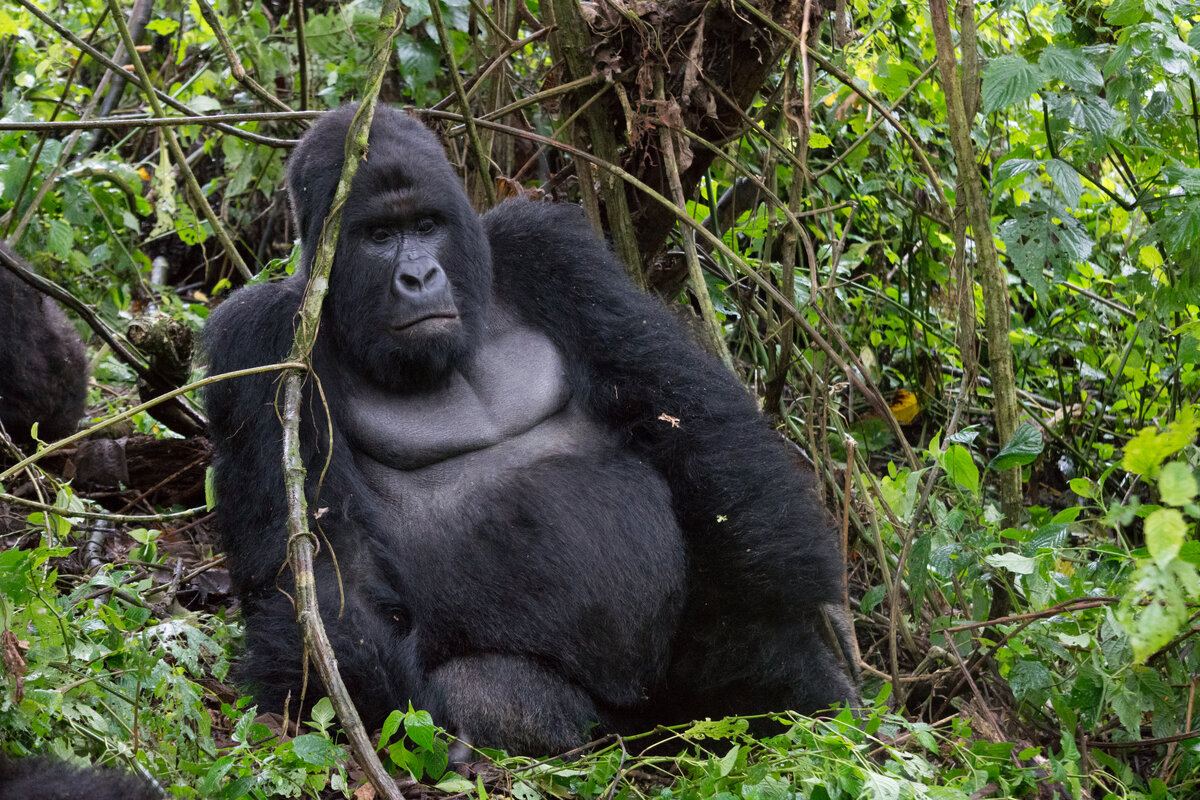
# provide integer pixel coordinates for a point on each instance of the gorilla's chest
(511, 408)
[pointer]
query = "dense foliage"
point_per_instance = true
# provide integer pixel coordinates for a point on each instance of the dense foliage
(1009, 652)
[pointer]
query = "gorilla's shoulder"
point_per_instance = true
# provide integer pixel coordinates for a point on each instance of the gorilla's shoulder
(546, 239)
(254, 326)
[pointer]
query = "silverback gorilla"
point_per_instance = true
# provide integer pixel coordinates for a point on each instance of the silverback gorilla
(549, 509)
(43, 368)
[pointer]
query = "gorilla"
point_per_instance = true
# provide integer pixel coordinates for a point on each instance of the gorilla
(43, 368)
(45, 779)
(543, 511)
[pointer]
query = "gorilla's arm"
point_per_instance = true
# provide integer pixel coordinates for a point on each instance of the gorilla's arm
(764, 558)
(252, 328)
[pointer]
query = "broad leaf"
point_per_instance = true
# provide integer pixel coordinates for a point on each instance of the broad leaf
(1024, 446)
(1008, 80)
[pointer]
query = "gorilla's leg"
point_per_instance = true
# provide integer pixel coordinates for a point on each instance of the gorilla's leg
(507, 702)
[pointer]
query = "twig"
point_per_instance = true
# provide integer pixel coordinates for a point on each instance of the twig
(235, 63)
(198, 198)
(130, 412)
(124, 518)
(301, 541)
(482, 160)
(62, 30)
(141, 121)
(1077, 604)
(708, 314)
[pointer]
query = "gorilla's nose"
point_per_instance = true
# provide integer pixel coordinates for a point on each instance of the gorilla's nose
(417, 279)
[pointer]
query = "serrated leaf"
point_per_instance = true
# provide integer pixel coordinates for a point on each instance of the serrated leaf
(1176, 484)
(60, 238)
(1038, 237)
(1149, 447)
(1009, 79)
(1024, 446)
(1028, 676)
(1126, 12)
(1165, 531)
(1066, 179)
(1012, 167)
(1095, 114)
(1070, 66)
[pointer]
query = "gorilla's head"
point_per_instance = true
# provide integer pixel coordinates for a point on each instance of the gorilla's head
(410, 284)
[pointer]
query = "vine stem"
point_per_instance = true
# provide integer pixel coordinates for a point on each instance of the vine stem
(301, 541)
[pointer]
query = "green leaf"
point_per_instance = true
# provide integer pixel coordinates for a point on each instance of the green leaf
(1176, 484)
(1066, 179)
(1070, 66)
(1126, 12)
(1029, 676)
(918, 569)
(1150, 447)
(1009, 79)
(727, 762)
(322, 713)
(8, 25)
(455, 784)
(1024, 446)
(315, 749)
(1013, 562)
(419, 727)
(1038, 237)
(163, 27)
(1012, 167)
(60, 238)
(961, 468)
(872, 598)
(1165, 532)
(1083, 487)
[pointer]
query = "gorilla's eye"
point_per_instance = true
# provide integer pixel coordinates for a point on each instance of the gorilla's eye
(380, 235)
(424, 225)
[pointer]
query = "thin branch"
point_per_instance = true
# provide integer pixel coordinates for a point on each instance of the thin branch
(483, 162)
(235, 63)
(131, 412)
(177, 153)
(70, 36)
(301, 541)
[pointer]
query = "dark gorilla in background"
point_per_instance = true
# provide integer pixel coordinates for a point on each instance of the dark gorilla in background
(549, 508)
(43, 368)
(45, 779)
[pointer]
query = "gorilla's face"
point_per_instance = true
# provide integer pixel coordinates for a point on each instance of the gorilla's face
(411, 281)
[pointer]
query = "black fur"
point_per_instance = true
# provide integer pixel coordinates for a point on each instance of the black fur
(641, 550)
(45, 779)
(43, 368)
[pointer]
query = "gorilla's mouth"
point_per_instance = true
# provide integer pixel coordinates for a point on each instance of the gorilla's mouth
(412, 323)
